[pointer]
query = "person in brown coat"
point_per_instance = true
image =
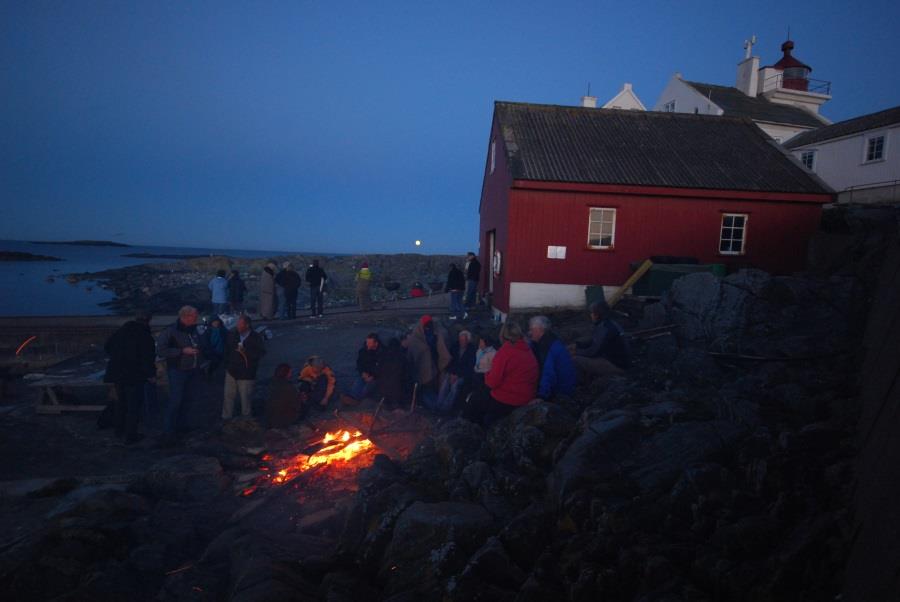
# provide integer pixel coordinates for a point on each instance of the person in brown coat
(283, 408)
(428, 357)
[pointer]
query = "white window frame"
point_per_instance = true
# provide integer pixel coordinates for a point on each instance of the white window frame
(669, 107)
(811, 153)
(731, 238)
(605, 216)
(869, 140)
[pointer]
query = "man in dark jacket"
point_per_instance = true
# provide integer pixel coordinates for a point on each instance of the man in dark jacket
(558, 375)
(131, 365)
(316, 278)
(237, 288)
(368, 361)
(456, 284)
(179, 345)
(607, 351)
(243, 350)
(473, 274)
(392, 374)
(290, 282)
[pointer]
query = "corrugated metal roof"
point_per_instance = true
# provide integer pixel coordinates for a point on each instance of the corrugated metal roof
(611, 146)
(871, 121)
(737, 104)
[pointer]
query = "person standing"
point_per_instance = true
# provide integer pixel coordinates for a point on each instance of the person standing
(473, 274)
(363, 284)
(513, 376)
(279, 289)
(243, 350)
(558, 374)
(290, 282)
(456, 284)
(428, 356)
(236, 290)
(267, 292)
(179, 345)
(218, 288)
(316, 278)
(131, 366)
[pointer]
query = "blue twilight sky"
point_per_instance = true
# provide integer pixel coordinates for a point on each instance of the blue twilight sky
(347, 126)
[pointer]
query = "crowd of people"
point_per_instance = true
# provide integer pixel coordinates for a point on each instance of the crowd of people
(279, 289)
(472, 375)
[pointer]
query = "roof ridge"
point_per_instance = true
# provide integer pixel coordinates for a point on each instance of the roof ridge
(630, 112)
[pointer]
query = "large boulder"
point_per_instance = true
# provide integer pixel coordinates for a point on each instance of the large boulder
(432, 542)
(596, 454)
(662, 457)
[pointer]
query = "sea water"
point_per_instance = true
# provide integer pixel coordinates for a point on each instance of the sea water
(39, 288)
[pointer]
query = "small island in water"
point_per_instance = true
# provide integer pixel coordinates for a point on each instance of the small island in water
(18, 256)
(80, 243)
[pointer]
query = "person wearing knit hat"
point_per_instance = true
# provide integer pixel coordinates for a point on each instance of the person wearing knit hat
(363, 285)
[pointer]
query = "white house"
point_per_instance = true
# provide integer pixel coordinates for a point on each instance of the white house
(781, 99)
(859, 158)
(625, 99)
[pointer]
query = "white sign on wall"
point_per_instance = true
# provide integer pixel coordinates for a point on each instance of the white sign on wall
(556, 252)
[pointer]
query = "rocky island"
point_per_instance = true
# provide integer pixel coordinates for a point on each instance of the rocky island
(80, 243)
(20, 256)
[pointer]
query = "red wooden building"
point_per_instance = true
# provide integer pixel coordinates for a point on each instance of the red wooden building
(573, 196)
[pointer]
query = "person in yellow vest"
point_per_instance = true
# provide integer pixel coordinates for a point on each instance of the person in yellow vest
(363, 283)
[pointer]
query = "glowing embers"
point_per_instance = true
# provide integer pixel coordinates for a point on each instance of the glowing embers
(346, 450)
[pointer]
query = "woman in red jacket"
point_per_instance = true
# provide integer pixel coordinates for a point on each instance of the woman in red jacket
(513, 375)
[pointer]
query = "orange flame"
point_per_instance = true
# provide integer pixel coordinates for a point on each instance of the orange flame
(341, 447)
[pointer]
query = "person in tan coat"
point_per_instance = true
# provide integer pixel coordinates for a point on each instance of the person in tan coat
(267, 292)
(428, 357)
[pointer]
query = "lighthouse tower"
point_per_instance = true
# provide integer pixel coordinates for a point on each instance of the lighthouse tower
(788, 82)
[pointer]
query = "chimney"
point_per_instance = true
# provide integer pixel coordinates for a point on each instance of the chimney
(589, 102)
(748, 70)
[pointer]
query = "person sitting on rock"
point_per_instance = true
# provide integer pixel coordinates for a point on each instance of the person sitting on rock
(392, 374)
(368, 361)
(607, 351)
(513, 376)
(558, 375)
(317, 382)
(417, 290)
(458, 379)
(284, 406)
(476, 401)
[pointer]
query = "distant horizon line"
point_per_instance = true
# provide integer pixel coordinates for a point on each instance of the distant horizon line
(281, 251)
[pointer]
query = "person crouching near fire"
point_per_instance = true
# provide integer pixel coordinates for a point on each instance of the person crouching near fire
(284, 406)
(317, 382)
(513, 376)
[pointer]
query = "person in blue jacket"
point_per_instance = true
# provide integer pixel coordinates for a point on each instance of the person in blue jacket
(558, 374)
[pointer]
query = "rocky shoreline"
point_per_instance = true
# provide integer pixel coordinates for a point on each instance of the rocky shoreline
(164, 287)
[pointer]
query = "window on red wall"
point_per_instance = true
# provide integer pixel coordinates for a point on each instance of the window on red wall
(733, 234)
(602, 228)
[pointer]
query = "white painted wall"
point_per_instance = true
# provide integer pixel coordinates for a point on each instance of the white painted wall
(780, 132)
(840, 161)
(533, 295)
(686, 99)
(625, 99)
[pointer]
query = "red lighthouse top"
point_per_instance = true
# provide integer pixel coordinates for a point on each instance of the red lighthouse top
(796, 74)
(788, 61)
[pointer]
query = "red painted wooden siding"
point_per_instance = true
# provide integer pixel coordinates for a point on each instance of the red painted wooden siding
(494, 209)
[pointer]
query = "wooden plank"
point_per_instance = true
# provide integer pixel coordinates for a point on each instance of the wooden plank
(617, 296)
